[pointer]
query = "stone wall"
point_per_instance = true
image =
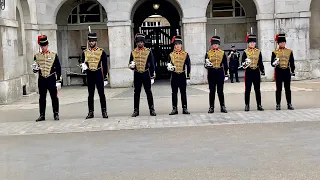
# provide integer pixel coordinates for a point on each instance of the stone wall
(17, 48)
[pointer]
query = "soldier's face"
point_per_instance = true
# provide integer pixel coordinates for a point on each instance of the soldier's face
(215, 46)
(252, 44)
(282, 44)
(92, 43)
(140, 44)
(178, 47)
(44, 48)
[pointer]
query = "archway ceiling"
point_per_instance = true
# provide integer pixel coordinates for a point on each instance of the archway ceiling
(166, 10)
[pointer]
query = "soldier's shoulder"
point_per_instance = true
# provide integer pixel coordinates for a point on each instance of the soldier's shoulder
(289, 49)
(100, 49)
(222, 51)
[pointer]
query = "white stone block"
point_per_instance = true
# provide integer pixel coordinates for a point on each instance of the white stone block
(121, 77)
(198, 74)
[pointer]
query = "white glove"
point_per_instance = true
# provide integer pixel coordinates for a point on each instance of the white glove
(208, 63)
(226, 78)
(35, 66)
(58, 85)
(132, 65)
(188, 81)
(248, 61)
(276, 62)
(152, 81)
(83, 67)
(170, 67)
(105, 83)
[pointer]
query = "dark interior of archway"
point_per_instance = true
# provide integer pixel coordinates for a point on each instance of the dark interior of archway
(161, 48)
(166, 10)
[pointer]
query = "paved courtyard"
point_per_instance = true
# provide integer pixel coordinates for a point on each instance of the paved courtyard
(18, 118)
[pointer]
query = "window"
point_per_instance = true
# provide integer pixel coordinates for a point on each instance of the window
(225, 8)
(88, 12)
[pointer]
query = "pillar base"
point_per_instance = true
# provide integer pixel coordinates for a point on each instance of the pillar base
(120, 78)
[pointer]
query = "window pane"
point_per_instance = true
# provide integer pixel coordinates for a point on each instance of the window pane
(222, 4)
(89, 18)
(237, 4)
(237, 12)
(222, 13)
(89, 8)
(74, 11)
(72, 19)
(243, 13)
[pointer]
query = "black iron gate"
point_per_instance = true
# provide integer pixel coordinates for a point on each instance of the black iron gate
(158, 39)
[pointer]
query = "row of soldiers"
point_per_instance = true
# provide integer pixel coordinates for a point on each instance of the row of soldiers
(141, 61)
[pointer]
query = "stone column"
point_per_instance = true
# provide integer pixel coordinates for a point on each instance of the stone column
(194, 33)
(120, 47)
(296, 26)
(266, 35)
(31, 34)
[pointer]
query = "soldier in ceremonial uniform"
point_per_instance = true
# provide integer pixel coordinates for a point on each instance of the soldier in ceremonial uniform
(178, 60)
(253, 59)
(142, 63)
(94, 62)
(48, 66)
(217, 65)
(283, 61)
(233, 57)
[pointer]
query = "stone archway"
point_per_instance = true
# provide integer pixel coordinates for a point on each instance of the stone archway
(158, 34)
(232, 20)
(73, 19)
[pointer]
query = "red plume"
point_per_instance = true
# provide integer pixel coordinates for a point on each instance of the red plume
(40, 37)
(247, 37)
(210, 39)
(277, 36)
(173, 38)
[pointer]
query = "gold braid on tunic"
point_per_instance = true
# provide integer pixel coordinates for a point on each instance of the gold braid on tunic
(253, 55)
(178, 59)
(215, 57)
(140, 57)
(284, 57)
(45, 62)
(93, 57)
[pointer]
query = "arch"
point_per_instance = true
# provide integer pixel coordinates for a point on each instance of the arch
(314, 25)
(169, 9)
(138, 4)
(60, 3)
(21, 17)
(71, 36)
(242, 2)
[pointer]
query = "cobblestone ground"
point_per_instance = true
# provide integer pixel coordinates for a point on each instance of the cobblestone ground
(18, 118)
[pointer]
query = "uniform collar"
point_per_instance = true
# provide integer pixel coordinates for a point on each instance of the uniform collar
(45, 52)
(177, 51)
(282, 47)
(215, 49)
(94, 49)
(140, 49)
(251, 48)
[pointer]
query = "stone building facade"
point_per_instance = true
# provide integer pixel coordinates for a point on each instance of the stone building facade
(66, 24)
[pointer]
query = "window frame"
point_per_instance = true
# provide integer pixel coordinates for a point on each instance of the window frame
(211, 11)
(77, 7)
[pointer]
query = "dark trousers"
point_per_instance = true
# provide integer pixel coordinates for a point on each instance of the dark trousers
(283, 76)
(179, 81)
(95, 79)
(234, 72)
(216, 83)
(44, 85)
(139, 80)
(252, 77)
